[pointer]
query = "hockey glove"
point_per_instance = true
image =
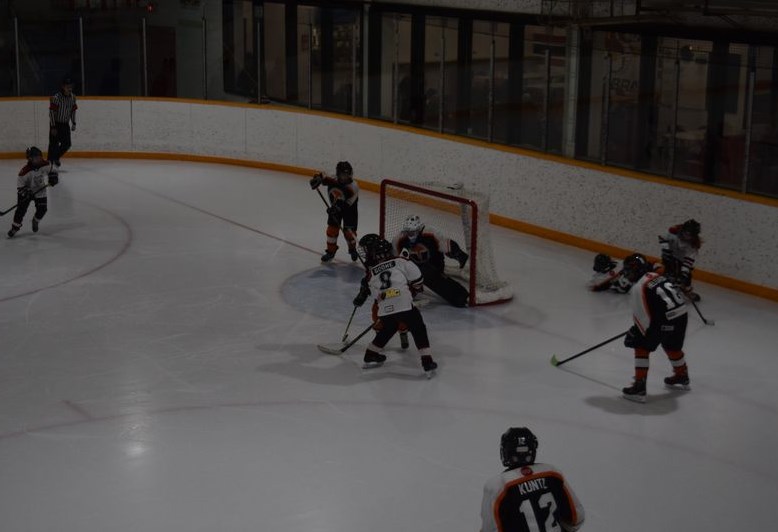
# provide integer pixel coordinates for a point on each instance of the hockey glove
(364, 292)
(335, 210)
(405, 253)
(462, 259)
(53, 178)
(315, 181)
(634, 338)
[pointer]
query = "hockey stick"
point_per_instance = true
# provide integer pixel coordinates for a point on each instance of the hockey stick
(345, 333)
(706, 322)
(326, 203)
(339, 351)
(32, 197)
(555, 362)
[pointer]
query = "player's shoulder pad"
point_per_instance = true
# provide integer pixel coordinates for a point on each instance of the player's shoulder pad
(27, 168)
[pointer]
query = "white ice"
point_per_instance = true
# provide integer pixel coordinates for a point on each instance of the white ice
(159, 372)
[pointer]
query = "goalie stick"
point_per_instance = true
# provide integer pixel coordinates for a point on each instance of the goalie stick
(555, 362)
(333, 350)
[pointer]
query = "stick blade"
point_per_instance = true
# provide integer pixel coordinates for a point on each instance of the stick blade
(554, 361)
(331, 349)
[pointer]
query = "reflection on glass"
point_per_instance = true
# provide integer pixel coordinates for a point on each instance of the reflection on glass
(7, 57)
(48, 50)
(484, 35)
(309, 55)
(396, 66)
(763, 154)
(440, 73)
(275, 50)
(240, 64)
(624, 132)
(345, 59)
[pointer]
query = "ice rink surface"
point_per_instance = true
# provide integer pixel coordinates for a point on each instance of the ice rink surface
(159, 372)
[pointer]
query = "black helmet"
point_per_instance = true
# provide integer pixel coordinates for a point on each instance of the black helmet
(603, 263)
(343, 170)
(366, 244)
(67, 80)
(518, 447)
(374, 249)
(33, 151)
(636, 266)
(691, 227)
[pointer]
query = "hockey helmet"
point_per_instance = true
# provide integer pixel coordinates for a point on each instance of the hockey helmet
(376, 250)
(603, 263)
(518, 447)
(366, 243)
(636, 266)
(344, 171)
(690, 228)
(32, 152)
(413, 227)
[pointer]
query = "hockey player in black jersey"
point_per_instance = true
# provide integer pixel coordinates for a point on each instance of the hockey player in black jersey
(528, 496)
(660, 318)
(343, 193)
(426, 249)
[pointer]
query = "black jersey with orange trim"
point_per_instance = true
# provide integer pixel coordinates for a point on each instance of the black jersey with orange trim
(655, 302)
(338, 191)
(426, 249)
(530, 498)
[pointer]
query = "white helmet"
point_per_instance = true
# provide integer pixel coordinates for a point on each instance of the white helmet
(412, 227)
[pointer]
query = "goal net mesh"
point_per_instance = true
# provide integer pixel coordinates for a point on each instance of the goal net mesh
(453, 212)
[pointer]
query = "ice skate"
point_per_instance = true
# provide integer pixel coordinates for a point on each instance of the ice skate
(35, 225)
(14, 229)
(354, 255)
(327, 257)
(404, 340)
(429, 365)
(677, 382)
(373, 360)
(636, 392)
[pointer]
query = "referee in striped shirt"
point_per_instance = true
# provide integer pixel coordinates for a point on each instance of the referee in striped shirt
(62, 112)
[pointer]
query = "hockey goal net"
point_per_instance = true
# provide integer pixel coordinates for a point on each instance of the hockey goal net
(454, 212)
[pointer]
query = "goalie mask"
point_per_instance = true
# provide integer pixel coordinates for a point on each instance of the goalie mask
(413, 227)
(344, 172)
(518, 447)
(635, 266)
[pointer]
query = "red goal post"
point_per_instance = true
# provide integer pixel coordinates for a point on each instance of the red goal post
(454, 212)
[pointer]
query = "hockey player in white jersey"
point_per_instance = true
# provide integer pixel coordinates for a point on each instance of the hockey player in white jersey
(680, 247)
(528, 496)
(31, 188)
(393, 281)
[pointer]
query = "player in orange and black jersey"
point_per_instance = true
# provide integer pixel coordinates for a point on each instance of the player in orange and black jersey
(343, 192)
(427, 250)
(528, 496)
(660, 317)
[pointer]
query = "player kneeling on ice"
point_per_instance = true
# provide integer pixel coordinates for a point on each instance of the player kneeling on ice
(659, 313)
(528, 495)
(427, 250)
(608, 276)
(393, 281)
(31, 188)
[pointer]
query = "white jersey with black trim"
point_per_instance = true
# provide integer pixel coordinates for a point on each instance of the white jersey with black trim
(390, 283)
(34, 178)
(681, 250)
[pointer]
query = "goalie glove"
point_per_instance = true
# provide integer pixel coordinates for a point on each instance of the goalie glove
(316, 180)
(53, 178)
(634, 338)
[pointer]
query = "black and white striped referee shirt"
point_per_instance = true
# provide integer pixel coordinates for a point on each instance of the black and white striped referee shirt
(62, 109)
